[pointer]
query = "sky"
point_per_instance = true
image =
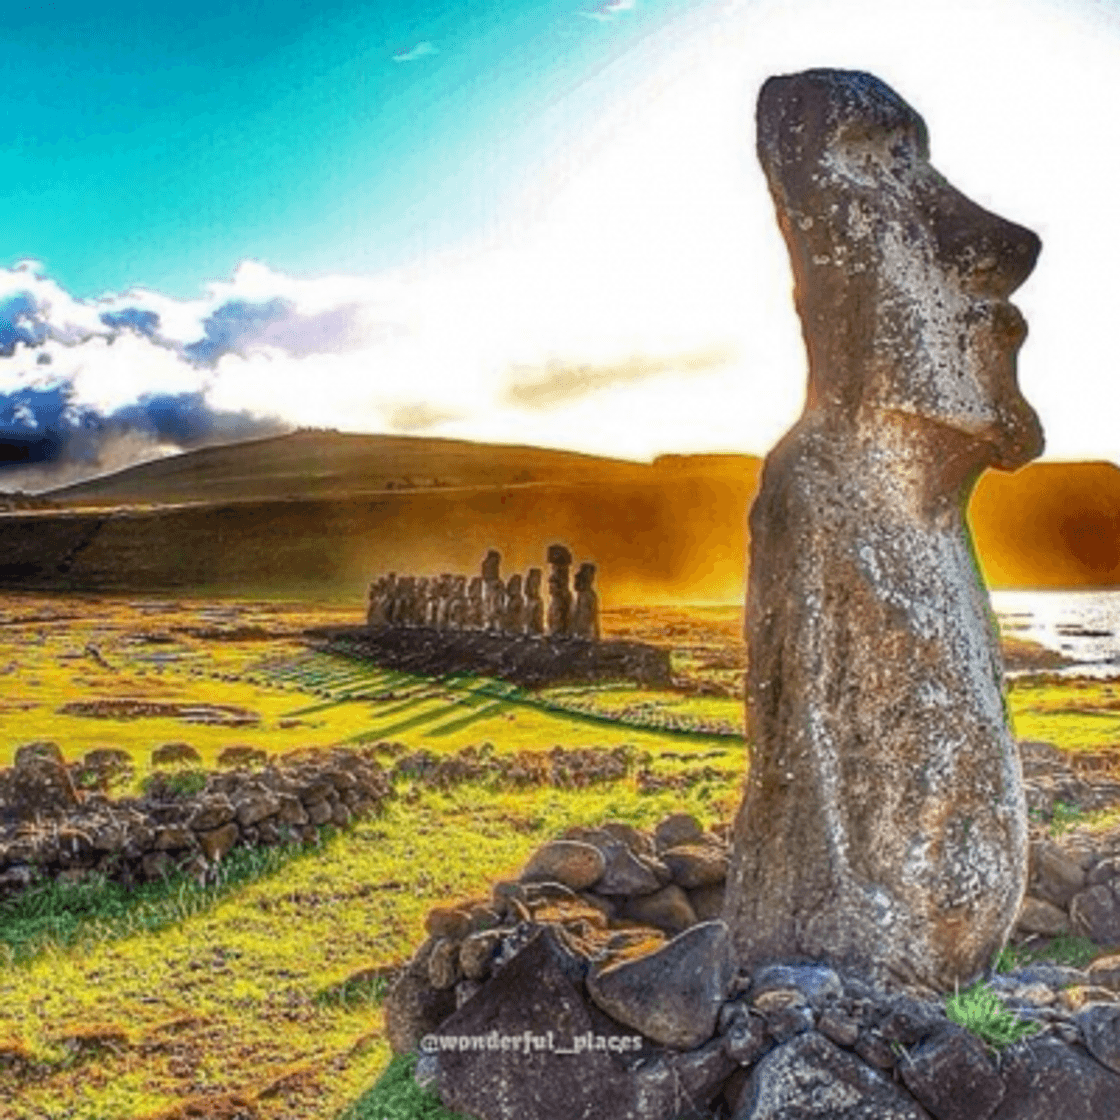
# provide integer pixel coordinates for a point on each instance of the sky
(540, 221)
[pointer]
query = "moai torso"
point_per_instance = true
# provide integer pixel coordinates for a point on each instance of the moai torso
(585, 613)
(884, 822)
(559, 592)
(513, 615)
(534, 604)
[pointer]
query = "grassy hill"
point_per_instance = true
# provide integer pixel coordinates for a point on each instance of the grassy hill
(320, 513)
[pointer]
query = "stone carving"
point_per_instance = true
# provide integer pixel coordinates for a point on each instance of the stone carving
(534, 604)
(585, 614)
(559, 593)
(475, 612)
(883, 826)
(513, 614)
(493, 591)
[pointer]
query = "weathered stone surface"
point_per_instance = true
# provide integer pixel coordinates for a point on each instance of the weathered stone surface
(1039, 916)
(532, 994)
(951, 1075)
(808, 1078)
(443, 964)
(677, 829)
(254, 805)
(696, 865)
(37, 782)
(626, 874)
(816, 983)
(667, 909)
(884, 822)
(1095, 912)
(1046, 1079)
(1100, 1027)
(585, 612)
(217, 841)
(447, 921)
(707, 901)
(672, 995)
(571, 862)
(413, 1008)
(559, 591)
(1105, 972)
(1055, 877)
(212, 811)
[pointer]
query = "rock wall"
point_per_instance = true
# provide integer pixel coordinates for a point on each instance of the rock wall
(49, 828)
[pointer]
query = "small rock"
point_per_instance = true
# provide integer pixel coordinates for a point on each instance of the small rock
(212, 811)
(673, 994)
(874, 1050)
(1095, 912)
(837, 1026)
(291, 811)
(1057, 877)
(571, 862)
(639, 842)
(667, 909)
(174, 837)
(477, 951)
(1040, 916)
(447, 921)
(1104, 872)
(1100, 1026)
(319, 812)
(696, 865)
(625, 874)
(1105, 973)
(707, 902)
(443, 964)
(254, 804)
(950, 1073)
(745, 1037)
(817, 983)
(677, 829)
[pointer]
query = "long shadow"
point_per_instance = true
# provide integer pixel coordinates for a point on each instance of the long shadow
(488, 712)
(427, 717)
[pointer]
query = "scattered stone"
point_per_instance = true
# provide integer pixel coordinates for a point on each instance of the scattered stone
(575, 864)
(443, 964)
(446, 921)
(1046, 1078)
(626, 874)
(1040, 916)
(677, 830)
(667, 909)
(696, 865)
(673, 994)
(1095, 913)
(1100, 1027)
(817, 984)
(951, 1074)
(1105, 973)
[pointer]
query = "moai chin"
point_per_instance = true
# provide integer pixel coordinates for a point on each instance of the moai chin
(559, 593)
(883, 825)
(585, 613)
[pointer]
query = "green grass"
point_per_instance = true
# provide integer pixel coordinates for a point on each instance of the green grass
(396, 1096)
(56, 915)
(980, 1010)
(1065, 949)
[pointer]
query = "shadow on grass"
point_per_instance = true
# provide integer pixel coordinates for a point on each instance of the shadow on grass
(58, 915)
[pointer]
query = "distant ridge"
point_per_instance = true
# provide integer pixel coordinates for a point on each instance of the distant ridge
(321, 513)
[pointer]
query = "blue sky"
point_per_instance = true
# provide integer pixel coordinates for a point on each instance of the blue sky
(535, 223)
(160, 145)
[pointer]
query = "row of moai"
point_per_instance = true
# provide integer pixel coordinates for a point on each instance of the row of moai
(488, 602)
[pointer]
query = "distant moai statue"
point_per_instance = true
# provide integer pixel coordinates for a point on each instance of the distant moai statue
(379, 612)
(534, 604)
(420, 607)
(493, 591)
(513, 617)
(457, 604)
(445, 588)
(559, 593)
(585, 614)
(474, 616)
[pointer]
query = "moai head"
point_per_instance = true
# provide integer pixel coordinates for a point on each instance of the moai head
(901, 282)
(491, 566)
(514, 585)
(533, 583)
(559, 556)
(584, 577)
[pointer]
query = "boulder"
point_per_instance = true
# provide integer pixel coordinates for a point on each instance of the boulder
(626, 874)
(677, 829)
(1095, 913)
(413, 1008)
(1056, 877)
(1039, 916)
(1045, 1079)
(672, 995)
(1100, 1027)
(808, 1078)
(667, 909)
(696, 865)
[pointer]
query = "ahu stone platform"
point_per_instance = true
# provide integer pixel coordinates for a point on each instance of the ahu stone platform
(533, 662)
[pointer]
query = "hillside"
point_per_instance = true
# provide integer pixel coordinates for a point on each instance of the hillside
(321, 513)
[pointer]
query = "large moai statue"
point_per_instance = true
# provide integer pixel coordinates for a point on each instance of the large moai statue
(493, 591)
(559, 593)
(883, 824)
(585, 613)
(534, 604)
(379, 612)
(513, 613)
(457, 604)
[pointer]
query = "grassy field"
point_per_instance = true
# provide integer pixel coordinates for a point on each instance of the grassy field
(263, 999)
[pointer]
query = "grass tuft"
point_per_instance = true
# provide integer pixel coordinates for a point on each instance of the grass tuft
(980, 1010)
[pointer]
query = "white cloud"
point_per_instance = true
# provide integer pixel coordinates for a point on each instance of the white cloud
(418, 51)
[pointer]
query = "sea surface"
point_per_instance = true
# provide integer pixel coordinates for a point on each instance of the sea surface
(1083, 626)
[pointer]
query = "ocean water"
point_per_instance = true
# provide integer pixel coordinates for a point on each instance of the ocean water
(1081, 625)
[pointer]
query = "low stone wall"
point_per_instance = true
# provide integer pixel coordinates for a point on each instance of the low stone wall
(532, 662)
(49, 828)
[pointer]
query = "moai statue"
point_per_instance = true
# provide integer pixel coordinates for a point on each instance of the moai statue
(534, 604)
(559, 593)
(474, 617)
(883, 826)
(585, 613)
(423, 597)
(445, 588)
(457, 604)
(493, 591)
(513, 616)
(380, 600)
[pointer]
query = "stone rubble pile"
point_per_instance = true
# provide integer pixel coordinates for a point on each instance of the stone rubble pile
(489, 603)
(614, 933)
(49, 828)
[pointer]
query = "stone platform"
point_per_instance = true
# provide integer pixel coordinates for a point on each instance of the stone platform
(530, 662)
